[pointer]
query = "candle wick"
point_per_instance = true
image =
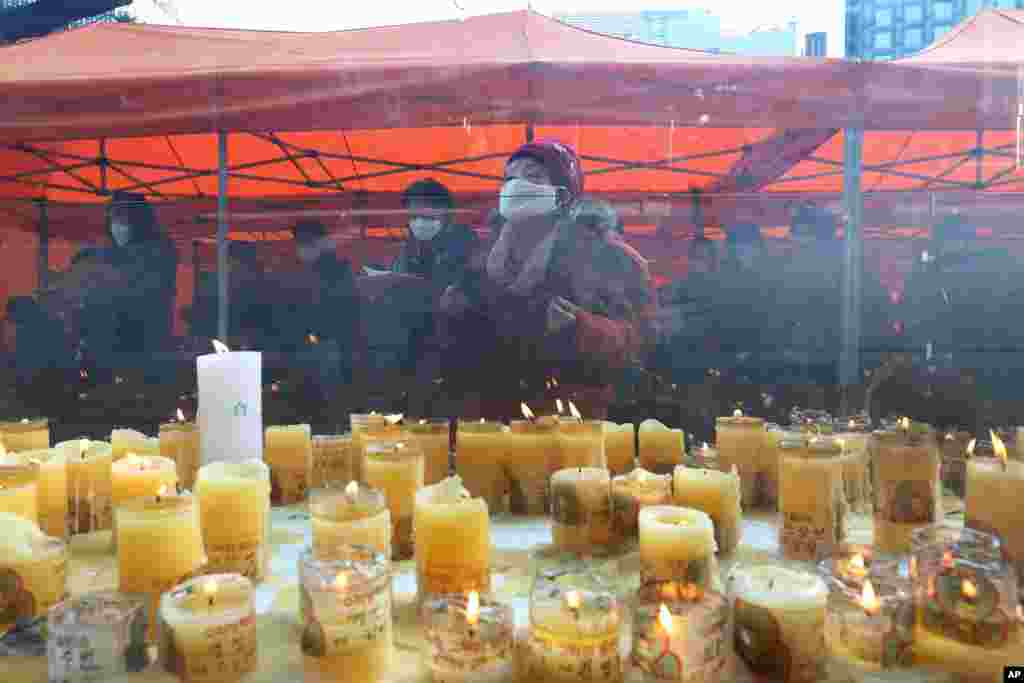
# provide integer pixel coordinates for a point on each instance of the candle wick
(771, 584)
(211, 602)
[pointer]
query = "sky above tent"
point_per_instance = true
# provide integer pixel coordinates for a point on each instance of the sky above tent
(316, 15)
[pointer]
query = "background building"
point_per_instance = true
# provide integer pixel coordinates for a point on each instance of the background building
(816, 45)
(31, 18)
(885, 29)
(689, 28)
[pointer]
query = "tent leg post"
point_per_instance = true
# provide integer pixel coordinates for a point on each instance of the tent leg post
(43, 253)
(222, 236)
(853, 205)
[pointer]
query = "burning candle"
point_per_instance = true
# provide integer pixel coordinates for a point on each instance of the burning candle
(288, 451)
(396, 468)
(581, 444)
(994, 487)
(480, 461)
(234, 514)
(718, 495)
(633, 492)
(230, 405)
(358, 515)
(906, 472)
(743, 442)
(620, 447)
(660, 448)
(25, 435)
(681, 641)
(432, 438)
(812, 509)
(532, 452)
(138, 476)
(677, 546)
(870, 630)
(90, 485)
(33, 568)
(52, 491)
(179, 441)
(19, 488)
(469, 639)
(453, 540)
(208, 629)
(581, 508)
(128, 441)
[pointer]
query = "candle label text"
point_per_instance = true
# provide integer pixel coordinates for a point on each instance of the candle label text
(332, 463)
(288, 485)
(245, 556)
(336, 624)
(804, 536)
(684, 573)
(596, 659)
(697, 651)
(17, 599)
(439, 579)
(228, 651)
(910, 501)
(798, 656)
(464, 653)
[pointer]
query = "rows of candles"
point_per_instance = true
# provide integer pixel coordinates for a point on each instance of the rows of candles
(922, 597)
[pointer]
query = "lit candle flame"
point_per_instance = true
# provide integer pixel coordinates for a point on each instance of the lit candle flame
(852, 424)
(352, 489)
(161, 492)
(527, 413)
(665, 619)
(554, 382)
(473, 608)
(313, 339)
(210, 588)
(341, 582)
(24, 420)
(737, 413)
(969, 590)
(423, 422)
(558, 404)
(220, 347)
(705, 446)
(857, 565)
(905, 423)
(999, 447)
(947, 560)
(868, 600)
(181, 415)
(949, 436)
(573, 600)
(970, 447)
(572, 411)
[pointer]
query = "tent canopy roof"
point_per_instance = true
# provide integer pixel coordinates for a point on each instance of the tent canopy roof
(987, 40)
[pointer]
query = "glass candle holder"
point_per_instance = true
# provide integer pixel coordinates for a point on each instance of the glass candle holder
(433, 439)
(704, 457)
(179, 441)
(395, 466)
(852, 563)
(779, 620)
(33, 570)
(631, 493)
(333, 456)
(469, 638)
(575, 617)
(345, 612)
(288, 451)
(19, 488)
(480, 458)
(742, 442)
(532, 450)
(581, 508)
(581, 444)
(96, 636)
(25, 435)
(906, 483)
(812, 509)
(357, 515)
(965, 591)
(681, 641)
(870, 627)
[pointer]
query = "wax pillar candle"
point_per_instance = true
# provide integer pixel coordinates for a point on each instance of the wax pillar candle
(953, 448)
(907, 496)
(139, 476)
(581, 444)
(742, 441)
(633, 492)
(25, 435)
(581, 511)
(532, 449)
(396, 468)
(681, 641)
(480, 456)
(432, 438)
(90, 472)
(718, 495)
(677, 546)
(620, 447)
(52, 491)
(179, 441)
(208, 629)
(288, 451)
(856, 470)
(129, 441)
(357, 515)
(660, 448)
(159, 544)
(453, 540)
(230, 406)
(234, 515)
(364, 426)
(705, 457)
(993, 487)
(812, 509)
(345, 612)
(333, 456)
(779, 621)
(469, 640)
(19, 488)
(33, 570)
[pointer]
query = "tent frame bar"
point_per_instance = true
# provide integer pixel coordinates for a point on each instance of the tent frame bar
(223, 291)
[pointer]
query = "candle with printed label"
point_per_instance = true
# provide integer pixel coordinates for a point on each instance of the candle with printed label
(288, 451)
(660, 448)
(717, 494)
(581, 508)
(131, 442)
(469, 640)
(812, 509)
(230, 405)
(357, 515)
(52, 491)
(333, 461)
(906, 483)
(480, 455)
(96, 636)
(19, 488)
(33, 570)
(453, 540)
(25, 435)
(677, 546)
(870, 630)
(179, 441)
(681, 641)
(532, 452)
(742, 441)
(138, 476)
(994, 488)
(620, 447)
(234, 514)
(633, 492)
(208, 629)
(90, 483)
(581, 442)
(396, 468)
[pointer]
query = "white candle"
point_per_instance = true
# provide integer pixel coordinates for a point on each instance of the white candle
(581, 508)
(717, 494)
(676, 545)
(230, 406)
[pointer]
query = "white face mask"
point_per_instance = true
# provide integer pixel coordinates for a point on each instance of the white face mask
(121, 233)
(425, 229)
(308, 253)
(521, 199)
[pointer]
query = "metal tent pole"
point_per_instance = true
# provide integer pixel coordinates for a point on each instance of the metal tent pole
(43, 253)
(222, 236)
(853, 258)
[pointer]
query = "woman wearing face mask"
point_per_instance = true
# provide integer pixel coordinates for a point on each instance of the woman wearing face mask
(564, 296)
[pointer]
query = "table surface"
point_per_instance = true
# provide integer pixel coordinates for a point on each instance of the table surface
(94, 567)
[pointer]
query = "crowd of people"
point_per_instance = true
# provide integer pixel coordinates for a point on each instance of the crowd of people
(556, 304)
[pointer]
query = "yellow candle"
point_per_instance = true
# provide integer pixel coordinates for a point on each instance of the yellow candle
(129, 441)
(208, 629)
(970, 663)
(532, 450)
(620, 447)
(396, 468)
(907, 485)
(453, 540)
(856, 470)
(581, 508)
(333, 465)
(159, 544)
(811, 504)
(179, 441)
(581, 444)
(33, 570)
(364, 426)
(25, 435)
(52, 491)
(995, 488)
(631, 493)
(357, 515)
(779, 615)
(234, 514)
(574, 638)
(138, 476)
(288, 451)
(661, 448)
(741, 442)
(480, 456)
(90, 466)
(432, 438)
(676, 545)
(19, 489)
(717, 494)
